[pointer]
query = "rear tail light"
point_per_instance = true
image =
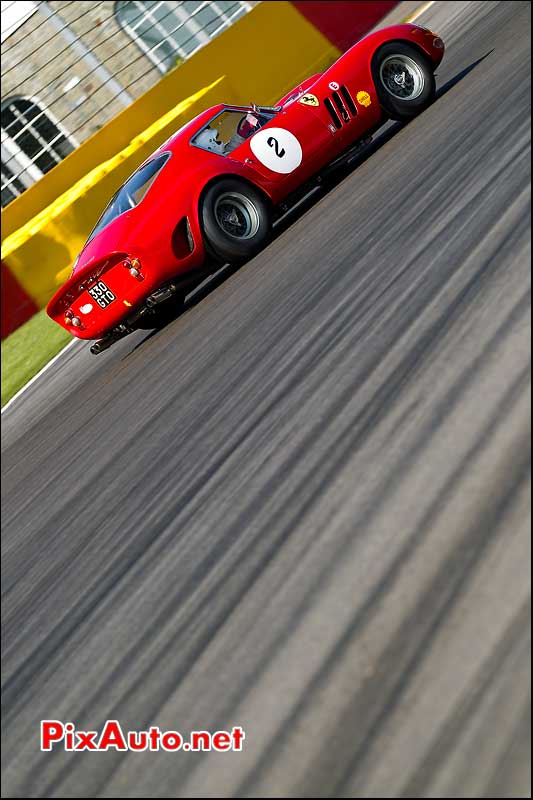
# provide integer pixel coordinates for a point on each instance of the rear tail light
(71, 319)
(134, 267)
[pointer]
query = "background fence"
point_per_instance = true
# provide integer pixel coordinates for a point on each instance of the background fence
(70, 67)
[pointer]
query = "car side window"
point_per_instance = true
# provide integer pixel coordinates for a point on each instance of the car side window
(230, 129)
(131, 193)
(139, 184)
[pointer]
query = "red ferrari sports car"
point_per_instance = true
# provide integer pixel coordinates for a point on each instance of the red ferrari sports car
(210, 194)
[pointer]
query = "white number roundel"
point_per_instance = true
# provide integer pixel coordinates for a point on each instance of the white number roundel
(278, 149)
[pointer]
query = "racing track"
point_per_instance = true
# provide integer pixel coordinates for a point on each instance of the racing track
(303, 506)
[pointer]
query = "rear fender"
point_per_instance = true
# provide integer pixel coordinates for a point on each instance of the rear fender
(80, 280)
(244, 178)
(73, 299)
(228, 169)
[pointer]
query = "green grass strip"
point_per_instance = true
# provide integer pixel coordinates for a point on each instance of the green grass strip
(27, 350)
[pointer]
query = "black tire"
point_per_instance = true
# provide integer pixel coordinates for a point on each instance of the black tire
(236, 220)
(401, 60)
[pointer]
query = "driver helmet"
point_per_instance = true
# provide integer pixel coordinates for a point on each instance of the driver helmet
(248, 125)
(208, 140)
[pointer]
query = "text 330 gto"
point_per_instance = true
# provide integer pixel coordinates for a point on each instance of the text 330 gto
(209, 195)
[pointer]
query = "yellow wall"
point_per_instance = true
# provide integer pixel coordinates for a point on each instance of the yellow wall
(41, 252)
(258, 59)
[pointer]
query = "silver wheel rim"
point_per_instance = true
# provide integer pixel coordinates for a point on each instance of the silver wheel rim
(401, 77)
(236, 215)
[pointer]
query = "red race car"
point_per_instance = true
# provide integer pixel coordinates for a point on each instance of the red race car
(209, 195)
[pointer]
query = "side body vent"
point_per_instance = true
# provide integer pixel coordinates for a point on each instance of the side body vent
(341, 107)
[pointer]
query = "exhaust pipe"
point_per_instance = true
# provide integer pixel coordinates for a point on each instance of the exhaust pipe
(112, 337)
(160, 295)
(101, 345)
(153, 300)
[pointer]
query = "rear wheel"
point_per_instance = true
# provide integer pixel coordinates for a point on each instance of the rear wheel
(236, 220)
(404, 80)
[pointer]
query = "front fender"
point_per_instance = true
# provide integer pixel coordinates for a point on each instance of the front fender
(414, 34)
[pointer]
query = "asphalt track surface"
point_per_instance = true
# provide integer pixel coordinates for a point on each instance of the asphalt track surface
(303, 506)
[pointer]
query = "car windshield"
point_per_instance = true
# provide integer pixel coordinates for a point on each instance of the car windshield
(230, 129)
(131, 193)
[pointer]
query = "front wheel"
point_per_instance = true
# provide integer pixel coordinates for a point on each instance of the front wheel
(404, 80)
(236, 220)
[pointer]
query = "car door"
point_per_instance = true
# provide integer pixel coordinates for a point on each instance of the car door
(290, 148)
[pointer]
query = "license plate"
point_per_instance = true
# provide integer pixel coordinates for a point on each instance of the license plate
(102, 294)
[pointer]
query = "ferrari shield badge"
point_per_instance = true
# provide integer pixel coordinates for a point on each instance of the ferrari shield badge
(309, 100)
